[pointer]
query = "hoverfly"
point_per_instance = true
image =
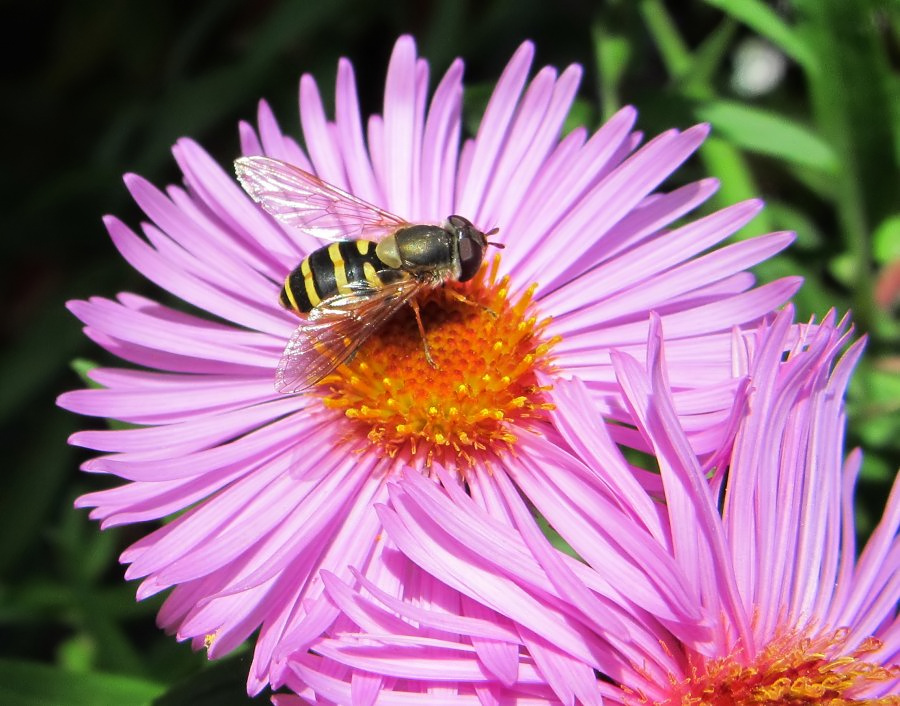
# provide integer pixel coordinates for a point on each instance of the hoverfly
(348, 289)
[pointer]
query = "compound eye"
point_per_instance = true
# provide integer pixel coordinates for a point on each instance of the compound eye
(471, 253)
(460, 224)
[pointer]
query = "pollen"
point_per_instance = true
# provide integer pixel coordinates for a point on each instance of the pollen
(789, 671)
(482, 391)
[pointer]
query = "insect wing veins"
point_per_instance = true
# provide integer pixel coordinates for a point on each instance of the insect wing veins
(304, 201)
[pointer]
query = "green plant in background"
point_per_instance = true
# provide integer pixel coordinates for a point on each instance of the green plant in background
(117, 87)
(823, 149)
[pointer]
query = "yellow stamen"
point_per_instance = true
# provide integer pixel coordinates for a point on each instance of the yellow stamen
(483, 389)
(789, 671)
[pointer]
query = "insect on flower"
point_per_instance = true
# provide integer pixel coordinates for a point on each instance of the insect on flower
(348, 289)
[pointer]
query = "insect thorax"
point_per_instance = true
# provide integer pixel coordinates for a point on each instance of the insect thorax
(423, 250)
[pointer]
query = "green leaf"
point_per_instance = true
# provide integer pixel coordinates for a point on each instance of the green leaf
(843, 268)
(77, 653)
(815, 296)
(475, 101)
(554, 537)
(763, 19)
(765, 132)
(612, 53)
(82, 368)
(672, 48)
(854, 102)
(33, 684)
(224, 683)
(724, 161)
(47, 342)
(29, 496)
(580, 114)
(785, 216)
(708, 60)
(875, 470)
(876, 406)
(886, 241)
(851, 94)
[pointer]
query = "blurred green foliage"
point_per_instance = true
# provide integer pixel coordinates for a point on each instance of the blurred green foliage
(105, 88)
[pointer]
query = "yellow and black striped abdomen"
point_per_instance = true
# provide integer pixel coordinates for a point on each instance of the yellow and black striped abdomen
(328, 271)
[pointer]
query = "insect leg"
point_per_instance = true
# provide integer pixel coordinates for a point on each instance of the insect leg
(465, 300)
(415, 307)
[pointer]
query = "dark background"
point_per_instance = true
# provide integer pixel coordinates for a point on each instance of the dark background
(96, 89)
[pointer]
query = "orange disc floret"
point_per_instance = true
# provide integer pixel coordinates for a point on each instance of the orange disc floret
(487, 351)
(790, 671)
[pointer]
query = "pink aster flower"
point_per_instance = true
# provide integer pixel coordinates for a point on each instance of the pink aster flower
(765, 598)
(272, 490)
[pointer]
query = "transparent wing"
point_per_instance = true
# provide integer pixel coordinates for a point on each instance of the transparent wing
(302, 200)
(335, 330)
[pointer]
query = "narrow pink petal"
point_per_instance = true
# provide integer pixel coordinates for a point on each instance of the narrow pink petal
(648, 220)
(273, 244)
(532, 135)
(219, 192)
(878, 561)
(363, 612)
(213, 538)
(154, 359)
(346, 493)
(365, 688)
(191, 435)
(256, 445)
(660, 292)
(352, 543)
(499, 657)
(149, 263)
(157, 405)
(607, 544)
(476, 582)
(417, 211)
(492, 133)
(609, 201)
(471, 625)
(819, 462)
(323, 152)
(440, 143)
(196, 233)
(698, 536)
(401, 105)
(521, 231)
(147, 330)
(337, 691)
(741, 519)
(557, 571)
(592, 443)
(361, 178)
(569, 678)
(250, 143)
(741, 309)
(658, 255)
(274, 142)
(844, 573)
(312, 670)
(294, 628)
(429, 659)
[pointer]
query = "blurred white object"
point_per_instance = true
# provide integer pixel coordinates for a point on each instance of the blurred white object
(758, 67)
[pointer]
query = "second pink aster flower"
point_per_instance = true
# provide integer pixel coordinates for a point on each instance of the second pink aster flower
(784, 611)
(273, 489)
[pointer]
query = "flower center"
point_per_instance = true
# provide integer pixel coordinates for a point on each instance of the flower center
(788, 672)
(487, 351)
